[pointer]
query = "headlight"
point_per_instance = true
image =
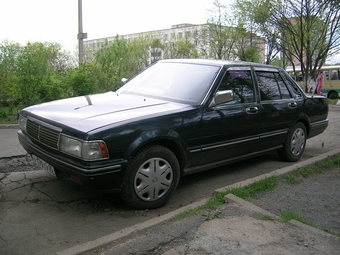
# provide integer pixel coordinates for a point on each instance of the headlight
(22, 122)
(88, 150)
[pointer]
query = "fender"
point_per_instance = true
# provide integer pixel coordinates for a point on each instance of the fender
(151, 136)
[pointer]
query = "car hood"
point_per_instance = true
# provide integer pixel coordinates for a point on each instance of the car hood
(87, 113)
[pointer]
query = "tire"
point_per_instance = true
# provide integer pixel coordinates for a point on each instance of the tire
(333, 95)
(294, 146)
(151, 178)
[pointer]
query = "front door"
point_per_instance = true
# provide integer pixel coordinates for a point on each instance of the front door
(231, 129)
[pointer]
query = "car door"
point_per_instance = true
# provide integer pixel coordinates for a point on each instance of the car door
(230, 130)
(278, 108)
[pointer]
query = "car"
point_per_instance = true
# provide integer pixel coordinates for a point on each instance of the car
(176, 117)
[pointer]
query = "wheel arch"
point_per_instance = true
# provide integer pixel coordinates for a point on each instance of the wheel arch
(305, 122)
(166, 138)
(304, 119)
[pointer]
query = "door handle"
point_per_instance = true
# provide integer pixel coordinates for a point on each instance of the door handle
(252, 110)
(292, 105)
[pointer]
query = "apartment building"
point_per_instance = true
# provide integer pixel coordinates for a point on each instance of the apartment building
(189, 32)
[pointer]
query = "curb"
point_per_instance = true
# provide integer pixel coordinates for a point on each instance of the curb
(281, 171)
(9, 126)
(128, 232)
(234, 199)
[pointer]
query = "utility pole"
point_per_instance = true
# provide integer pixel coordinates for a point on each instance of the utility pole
(81, 35)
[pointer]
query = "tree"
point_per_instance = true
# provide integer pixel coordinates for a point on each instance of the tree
(232, 34)
(81, 80)
(9, 52)
(220, 36)
(309, 32)
(253, 17)
(40, 66)
(112, 61)
(181, 46)
(32, 73)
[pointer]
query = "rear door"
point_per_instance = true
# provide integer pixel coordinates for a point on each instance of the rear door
(278, 108)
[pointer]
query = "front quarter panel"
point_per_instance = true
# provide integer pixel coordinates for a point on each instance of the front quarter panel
(124, 140)
(149, 137)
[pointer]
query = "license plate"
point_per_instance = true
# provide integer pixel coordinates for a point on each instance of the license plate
(44, 165)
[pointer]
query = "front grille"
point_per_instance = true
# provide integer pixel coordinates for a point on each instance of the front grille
(43, 132)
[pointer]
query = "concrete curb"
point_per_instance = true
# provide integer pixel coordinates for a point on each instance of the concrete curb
(9, 126)
(282, 171)
(234, 199)
(128, 232)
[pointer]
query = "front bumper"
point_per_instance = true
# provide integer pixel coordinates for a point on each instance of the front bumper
(98, 175)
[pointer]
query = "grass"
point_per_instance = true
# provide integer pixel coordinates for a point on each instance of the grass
(248, 192)
(318, 168)
(333, 101)
(290, 215)
(210, 208)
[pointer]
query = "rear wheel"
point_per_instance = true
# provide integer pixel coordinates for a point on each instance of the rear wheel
(151, 178)
(294, 146)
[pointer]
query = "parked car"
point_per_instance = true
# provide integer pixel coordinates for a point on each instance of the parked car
(177, 117)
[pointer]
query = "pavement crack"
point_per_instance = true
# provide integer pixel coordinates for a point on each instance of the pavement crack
(42, 192)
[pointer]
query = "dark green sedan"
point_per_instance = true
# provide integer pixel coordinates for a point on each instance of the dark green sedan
(177, 117)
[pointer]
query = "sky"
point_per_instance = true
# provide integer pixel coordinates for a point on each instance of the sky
(57, 20)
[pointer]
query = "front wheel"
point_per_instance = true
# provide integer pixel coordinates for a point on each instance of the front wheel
(294, 146)
(151, 178)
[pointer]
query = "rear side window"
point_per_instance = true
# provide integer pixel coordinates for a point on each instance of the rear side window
(272, 86)
(294, 88)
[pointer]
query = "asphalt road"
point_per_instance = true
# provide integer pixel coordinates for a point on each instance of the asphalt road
(43, 215)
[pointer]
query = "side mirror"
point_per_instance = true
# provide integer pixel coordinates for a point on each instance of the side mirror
(222, 97)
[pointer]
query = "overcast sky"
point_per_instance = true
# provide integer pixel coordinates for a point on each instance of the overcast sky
(57, 20)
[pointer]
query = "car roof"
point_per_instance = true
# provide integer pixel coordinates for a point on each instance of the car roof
(218, 62)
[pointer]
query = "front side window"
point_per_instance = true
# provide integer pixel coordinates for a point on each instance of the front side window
(240, 82)
(272, 86)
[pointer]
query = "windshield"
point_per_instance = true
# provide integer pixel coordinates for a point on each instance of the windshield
(173, 81)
